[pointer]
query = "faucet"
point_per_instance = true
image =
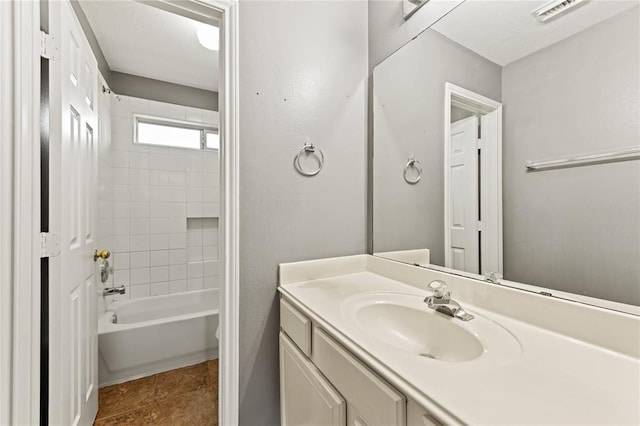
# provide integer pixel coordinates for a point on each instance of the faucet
(441, 301)
(114, 290)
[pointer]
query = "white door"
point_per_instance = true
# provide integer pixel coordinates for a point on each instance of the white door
(73, 393)
(491, 192)
(463, 251)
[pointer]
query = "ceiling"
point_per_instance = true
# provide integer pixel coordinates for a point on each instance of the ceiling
(145, 41)
(505, 31)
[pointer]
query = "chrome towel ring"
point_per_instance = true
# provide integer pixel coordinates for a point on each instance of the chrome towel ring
(308, 147)
(412, 163)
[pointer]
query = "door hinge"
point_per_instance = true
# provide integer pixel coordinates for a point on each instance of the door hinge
(480, 226)
(49, 46)
(49, 244)
(479, 143)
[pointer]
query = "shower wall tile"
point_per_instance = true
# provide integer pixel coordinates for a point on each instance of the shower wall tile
(137, 291)
(159, 258)
(177, 272)
(159, 274)
(159, 205)
(195, 284)
(139, 259)
(158, 289)
(177, 286)
(159, 242)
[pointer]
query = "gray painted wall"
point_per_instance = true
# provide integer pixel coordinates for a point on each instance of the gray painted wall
(408, 107)
(303, 69)
(577, 229)
(162, 91)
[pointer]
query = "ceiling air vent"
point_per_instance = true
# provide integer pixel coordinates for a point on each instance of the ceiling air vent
(554, 8)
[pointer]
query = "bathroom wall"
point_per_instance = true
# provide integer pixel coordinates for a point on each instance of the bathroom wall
(408, 109)
(165, 206)
(389, 31)
(575, 229)
(303, 68)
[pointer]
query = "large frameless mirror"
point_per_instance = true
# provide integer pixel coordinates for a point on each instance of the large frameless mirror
(507, 144)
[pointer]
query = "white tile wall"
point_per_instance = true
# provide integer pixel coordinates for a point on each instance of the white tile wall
(161, 206)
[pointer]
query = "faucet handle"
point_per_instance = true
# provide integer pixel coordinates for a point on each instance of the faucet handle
(439, 288)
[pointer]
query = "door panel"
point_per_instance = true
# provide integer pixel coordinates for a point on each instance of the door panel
(73, 397)
(463, 252)
(491, 191)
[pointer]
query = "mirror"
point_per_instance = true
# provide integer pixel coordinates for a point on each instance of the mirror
(409, 7)
(506, 148)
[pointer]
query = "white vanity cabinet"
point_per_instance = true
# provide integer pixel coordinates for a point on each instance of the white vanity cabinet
(310, 398)
(321, 383)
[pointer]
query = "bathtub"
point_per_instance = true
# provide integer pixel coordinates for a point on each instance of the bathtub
(140, 337)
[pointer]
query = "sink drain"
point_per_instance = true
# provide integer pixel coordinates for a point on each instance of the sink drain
(426, 355)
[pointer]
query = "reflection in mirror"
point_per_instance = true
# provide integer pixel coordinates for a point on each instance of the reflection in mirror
(526, 127)
(409, 7)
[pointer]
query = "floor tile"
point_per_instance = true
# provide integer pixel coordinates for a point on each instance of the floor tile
(213, 376)
(139, 417)
(189, 409)
(125, 397)
(182, 380)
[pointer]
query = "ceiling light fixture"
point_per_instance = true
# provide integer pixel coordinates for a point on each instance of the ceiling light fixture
(209, 36)
(554, 8)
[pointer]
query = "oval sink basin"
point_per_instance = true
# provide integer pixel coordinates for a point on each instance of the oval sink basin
(427, 334)
(404, 322)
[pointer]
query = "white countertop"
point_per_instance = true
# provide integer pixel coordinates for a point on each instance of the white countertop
(554, 379)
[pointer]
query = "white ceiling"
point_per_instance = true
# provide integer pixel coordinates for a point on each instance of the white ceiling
(504, 30)
(142, 40)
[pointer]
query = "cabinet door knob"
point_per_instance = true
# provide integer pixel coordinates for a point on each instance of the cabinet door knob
(101, 254)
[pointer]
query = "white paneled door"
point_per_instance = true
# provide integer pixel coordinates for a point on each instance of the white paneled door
(464, 250)
(73, 393)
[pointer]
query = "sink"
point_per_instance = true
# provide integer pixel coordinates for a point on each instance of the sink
(404, 322)
(427, 334)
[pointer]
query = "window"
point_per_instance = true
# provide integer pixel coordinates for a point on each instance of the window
(212, 139)
(174, 133)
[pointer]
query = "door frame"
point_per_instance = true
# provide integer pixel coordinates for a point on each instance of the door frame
(471, 101)
(20, 213)
(20, 185)
(229, 394)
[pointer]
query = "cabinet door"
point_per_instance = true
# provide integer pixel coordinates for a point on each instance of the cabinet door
(371, 401)
(306, 397)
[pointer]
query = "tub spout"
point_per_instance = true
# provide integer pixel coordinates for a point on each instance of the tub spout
(114, 290)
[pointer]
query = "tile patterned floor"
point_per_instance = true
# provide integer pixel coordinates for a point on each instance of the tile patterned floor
(186, 396)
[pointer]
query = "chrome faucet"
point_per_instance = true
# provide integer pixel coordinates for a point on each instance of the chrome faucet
(442, 302)
(114, 290)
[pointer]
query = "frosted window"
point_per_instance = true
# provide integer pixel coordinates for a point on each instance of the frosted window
(213, 140)
(168, 135)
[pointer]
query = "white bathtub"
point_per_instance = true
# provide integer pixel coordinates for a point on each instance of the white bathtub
(155, 334)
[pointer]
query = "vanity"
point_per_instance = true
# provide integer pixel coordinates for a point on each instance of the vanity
(503, 284)
(360, 346)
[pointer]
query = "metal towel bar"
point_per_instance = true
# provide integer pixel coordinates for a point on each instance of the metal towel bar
(583, 160)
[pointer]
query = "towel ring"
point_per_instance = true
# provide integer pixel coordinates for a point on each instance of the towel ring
(412, 163)
(308, 147)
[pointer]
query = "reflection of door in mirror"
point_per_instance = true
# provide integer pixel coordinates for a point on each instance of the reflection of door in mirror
(565, 94)
(462, 235)
(472, 187)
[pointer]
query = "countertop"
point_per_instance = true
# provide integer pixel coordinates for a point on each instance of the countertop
(553, 379)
